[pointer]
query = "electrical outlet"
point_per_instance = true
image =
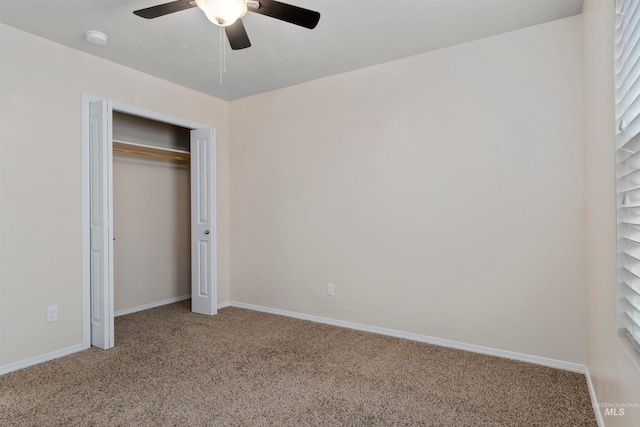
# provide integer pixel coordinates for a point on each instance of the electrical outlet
(331, 290)
(52, 313)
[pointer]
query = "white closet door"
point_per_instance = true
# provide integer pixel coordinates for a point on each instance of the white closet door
(203, 233)
(101, 214)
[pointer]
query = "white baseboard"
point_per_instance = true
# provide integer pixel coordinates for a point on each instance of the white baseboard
(224, 304)
(150, 305)
(574, 367)
(559, 364)
(39, 359)
(594, 399)
(73, 349)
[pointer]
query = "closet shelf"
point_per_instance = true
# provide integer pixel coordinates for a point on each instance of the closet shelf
(160, 154)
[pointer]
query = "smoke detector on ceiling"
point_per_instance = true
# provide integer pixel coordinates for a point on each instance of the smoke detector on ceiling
(96, 37)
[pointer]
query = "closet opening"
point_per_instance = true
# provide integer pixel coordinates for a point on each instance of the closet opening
(151, 213)
(148, 214)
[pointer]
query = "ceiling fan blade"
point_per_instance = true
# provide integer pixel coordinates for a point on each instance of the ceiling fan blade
(165, 9)
(288, 13)
(237, 35)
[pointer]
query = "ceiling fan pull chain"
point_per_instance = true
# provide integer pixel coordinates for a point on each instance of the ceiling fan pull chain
(221, 51)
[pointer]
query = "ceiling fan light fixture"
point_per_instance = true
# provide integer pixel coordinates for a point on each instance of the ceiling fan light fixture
(223, 12)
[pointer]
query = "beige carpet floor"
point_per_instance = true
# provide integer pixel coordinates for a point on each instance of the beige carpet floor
(244, 368)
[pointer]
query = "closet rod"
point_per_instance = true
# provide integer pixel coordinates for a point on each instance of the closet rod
(152, 147)
(147, 153)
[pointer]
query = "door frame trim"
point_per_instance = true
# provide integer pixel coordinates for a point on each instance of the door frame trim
(85, 209)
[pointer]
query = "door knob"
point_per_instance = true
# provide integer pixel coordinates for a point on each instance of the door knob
(206, 232)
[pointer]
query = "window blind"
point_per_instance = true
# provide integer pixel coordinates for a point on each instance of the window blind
(627, 72)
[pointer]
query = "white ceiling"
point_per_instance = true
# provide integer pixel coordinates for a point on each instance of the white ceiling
(185, 47)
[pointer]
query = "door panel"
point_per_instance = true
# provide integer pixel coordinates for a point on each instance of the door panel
(101, 266)
(203, 233)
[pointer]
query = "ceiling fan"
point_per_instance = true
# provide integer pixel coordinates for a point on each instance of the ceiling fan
(228, 14)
